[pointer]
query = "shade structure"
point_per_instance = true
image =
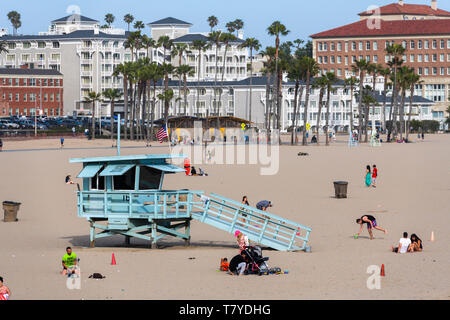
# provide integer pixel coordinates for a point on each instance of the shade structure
(168, 168)
(90, 170)
(116, 170)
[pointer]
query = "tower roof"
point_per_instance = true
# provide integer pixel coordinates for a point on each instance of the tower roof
(170, 21)
(396, 8)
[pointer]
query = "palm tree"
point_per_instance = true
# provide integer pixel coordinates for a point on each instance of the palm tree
(213, 22)
(396, 51)
(404, 84)
(179, 50)
(166, 96)
(331, 79)
(252, 44)
(167, 69)
(148, 43)
(112, 95)
(15, 19)
(139, 25)
(128, 18)
(351, 83)
(166, 43)
(3, 47)
(277, 29)
(155, 74)
(238, 25)
(296, 73)
(268, 69)
(93, 97)
(201, 46)
(320, 83)
(184, 71)
(215, 37)
(226, 39)
(109, 19)
(124, 70)
(312, 69)
(360, 67)
(372, 69)
(134, 43)
(413, 80)
(385, 73)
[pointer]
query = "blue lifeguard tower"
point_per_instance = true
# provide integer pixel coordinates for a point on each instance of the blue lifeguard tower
(124, 195)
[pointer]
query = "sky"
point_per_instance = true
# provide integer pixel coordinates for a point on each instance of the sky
(302, 17)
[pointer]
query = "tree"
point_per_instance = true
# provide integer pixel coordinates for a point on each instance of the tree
(351, 83)
(167, 97)
(128, 18)
(396, 51)
(448, 115)
(238, 25)
(148, 43)
(139, 25)
(372, 69)
(277, 29)
(213, 22)
(215, 37)
(403, 81)
(3, 47)
(413, 80)
(252, 44)
(269, 68)
(109, 19)
(226, 39)
(312, 69)
(179, 50)
(201, 46)
(155, 74)
(296, 73)
(134, 43)
(166, 43)
(331, 79)
(184, 71)
(112, 95)
(320, 83)
(385, 73)
(15, 19)
(360, 67)
(125, 70)
(93, 97)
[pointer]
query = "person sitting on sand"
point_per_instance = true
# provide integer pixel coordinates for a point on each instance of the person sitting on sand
(69, 262)
(242, 240)
(416, 244)
(238, 264)
(404, 244)
(193, 171)
(371, 224)
(224, 264)
(69, 180)
(5, 293)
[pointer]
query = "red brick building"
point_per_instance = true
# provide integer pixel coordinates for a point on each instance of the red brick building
(22, 91)
(423, 30)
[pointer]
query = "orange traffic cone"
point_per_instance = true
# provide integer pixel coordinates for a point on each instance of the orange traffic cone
(382, 271)
(432, 236)
(113, 262)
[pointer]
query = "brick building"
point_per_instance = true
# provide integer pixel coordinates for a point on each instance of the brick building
(423, 30)
(21, 91)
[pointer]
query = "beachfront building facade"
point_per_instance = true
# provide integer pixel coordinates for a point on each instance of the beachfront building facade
(25, 92)
(233, 99)
(233, 66)
(424, 31)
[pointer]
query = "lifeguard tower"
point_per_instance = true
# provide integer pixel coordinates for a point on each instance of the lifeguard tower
(124, 195)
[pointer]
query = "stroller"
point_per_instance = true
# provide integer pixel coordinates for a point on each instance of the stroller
(256, 263)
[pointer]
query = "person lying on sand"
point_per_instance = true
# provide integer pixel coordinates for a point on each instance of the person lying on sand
(371, 224)
(404, 244)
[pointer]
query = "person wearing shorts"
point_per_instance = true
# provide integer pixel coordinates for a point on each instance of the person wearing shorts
(69, 262)
(371, 224)
(374, 176)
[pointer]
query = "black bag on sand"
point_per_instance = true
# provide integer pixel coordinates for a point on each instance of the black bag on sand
(97, 276)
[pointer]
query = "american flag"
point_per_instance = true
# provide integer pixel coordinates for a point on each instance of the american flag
(162, 134)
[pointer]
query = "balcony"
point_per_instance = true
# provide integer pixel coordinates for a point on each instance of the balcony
(86, 85)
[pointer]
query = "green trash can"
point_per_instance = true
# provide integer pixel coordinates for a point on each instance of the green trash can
(340, 188)
(10, 210)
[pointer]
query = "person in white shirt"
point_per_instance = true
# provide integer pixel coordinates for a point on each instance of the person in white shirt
(403, 245)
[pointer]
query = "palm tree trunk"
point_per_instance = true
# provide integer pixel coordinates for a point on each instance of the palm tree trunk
(295, 112)
(361, 93)
(149, 89)
(93, 119)
(384, 104)
(402, 114)
(268, 87)
(305, 113)
(366, 123)
(410, 111)
(125, 103)
(351, 109)
(251, 86)
(318, 115)
(394, 105)
(327, 116)
(112, 122)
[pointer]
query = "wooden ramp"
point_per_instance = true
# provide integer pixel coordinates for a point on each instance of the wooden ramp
(261, 227)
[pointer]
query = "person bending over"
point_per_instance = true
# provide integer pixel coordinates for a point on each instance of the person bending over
(238, 264)
(371, 224)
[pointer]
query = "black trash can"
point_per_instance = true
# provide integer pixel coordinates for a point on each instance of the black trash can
(340, 188)
(10, 210)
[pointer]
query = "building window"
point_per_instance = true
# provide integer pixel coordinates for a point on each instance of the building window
(442, 71)
(353, 46)
(11, 45)
(339, 46)
(26, 45)
(419, 58)
(434, 44)
(434, 57)
(332, 46)
(412, 44)
(361, 46)
(320, 60)
(435, 92)
(411, 58)
(404, 44)
(368, 45)
(339, 59)
(17, 97)
(56, 45)
(41, 45)
(442, 57)
(375, 58)
(427, 44)
(427, 71)
(442, 44)
(346, 60)
(427, 58)
(375, 45)
(325, 59)
(420, 44)
(25, 97)
(320, 46)
(448, 71)
(332, 60)
(325, 46)
(346, 46)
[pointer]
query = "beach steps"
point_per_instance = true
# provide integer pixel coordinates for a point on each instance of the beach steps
(260, 227)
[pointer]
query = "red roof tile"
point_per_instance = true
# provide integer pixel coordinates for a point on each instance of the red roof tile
(389, 28)
(396, 8)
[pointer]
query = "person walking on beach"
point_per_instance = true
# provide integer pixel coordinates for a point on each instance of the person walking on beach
(69, 262)
(73, 131)
(374, 176)
(5, 293)
(245, 203)
(368, 177)
(404, 244)
(62, 142)
(371, 224)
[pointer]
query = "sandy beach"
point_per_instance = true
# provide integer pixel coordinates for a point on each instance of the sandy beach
(412, 195)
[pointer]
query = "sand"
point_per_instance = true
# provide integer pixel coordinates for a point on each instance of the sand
(412, 195)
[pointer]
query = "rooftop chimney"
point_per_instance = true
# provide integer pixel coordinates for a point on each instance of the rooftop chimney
(434, 4)
(400, 2)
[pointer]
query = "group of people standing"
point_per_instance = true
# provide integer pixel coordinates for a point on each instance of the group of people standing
(371, 176)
